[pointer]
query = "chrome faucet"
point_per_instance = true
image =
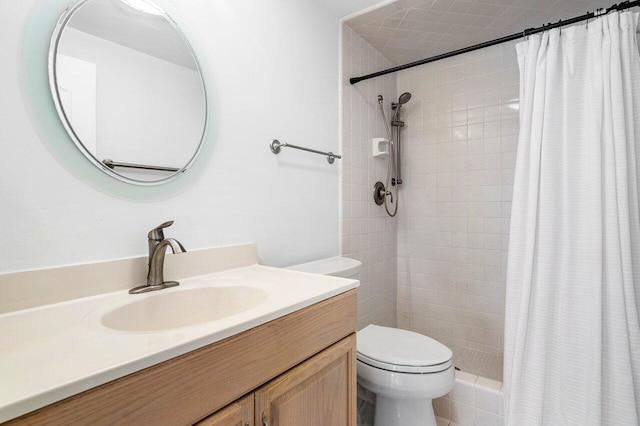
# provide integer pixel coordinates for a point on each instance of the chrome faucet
(157, 249)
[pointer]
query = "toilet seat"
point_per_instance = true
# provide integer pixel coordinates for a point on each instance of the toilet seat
(424, 369)
(403, 351)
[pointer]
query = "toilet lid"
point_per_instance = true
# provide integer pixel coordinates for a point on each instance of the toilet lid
(392, 349)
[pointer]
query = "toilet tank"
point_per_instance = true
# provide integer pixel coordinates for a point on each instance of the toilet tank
(334, 266)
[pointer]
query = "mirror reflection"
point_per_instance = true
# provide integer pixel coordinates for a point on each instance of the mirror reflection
(128, 89)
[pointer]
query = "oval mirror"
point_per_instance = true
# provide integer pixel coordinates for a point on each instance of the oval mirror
(128, 89)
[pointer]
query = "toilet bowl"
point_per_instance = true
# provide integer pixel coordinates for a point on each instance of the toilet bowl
(405, 370)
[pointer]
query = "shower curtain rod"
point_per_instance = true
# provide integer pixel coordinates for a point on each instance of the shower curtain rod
(599, 12)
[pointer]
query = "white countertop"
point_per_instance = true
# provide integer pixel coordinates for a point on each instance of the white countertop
(55, 351)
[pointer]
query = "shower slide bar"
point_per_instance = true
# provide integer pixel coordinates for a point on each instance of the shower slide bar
(599, 12)
(276, 147)
(111, 164)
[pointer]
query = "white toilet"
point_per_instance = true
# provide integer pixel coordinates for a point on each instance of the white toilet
(405, 370)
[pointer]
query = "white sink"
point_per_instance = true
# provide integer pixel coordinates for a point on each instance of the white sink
(182, 308)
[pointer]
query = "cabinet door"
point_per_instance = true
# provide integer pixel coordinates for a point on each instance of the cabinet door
(238, 413)
(319, 392)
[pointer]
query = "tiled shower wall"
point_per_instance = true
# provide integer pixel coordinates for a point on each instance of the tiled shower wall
(459, 156)
(366, 232)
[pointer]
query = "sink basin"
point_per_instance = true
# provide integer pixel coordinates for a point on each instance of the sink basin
(182, 308)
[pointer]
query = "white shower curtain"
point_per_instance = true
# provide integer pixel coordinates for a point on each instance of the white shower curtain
(572, 333)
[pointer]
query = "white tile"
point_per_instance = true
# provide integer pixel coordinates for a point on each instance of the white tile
(475, 115)
(492, 129)
(462, 414)
(485, 418)
(459, 133)
(492, 112)
(476, 100)
(493, 385)
(466, 377)
(475, 147)
(476, 131)
(486, 398)
(509, 127)
(463, 392)
(492, 145)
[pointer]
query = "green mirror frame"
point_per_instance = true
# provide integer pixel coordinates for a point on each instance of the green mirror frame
(38, 99)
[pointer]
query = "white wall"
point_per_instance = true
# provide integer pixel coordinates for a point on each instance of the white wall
(459, 157)
(274, 66)
(367, 233)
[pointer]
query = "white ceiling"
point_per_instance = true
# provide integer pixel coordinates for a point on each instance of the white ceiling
(342, 8)
(410, 30)
(115, 21)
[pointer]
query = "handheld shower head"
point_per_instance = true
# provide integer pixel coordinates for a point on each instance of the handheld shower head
(404, 98)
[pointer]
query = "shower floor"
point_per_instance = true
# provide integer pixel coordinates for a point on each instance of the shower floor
(479, 363)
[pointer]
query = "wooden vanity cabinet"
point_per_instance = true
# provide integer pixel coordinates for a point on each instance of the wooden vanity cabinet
(298, 369)
(318, 392)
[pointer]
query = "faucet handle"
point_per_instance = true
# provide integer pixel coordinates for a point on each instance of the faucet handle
(156, 233)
